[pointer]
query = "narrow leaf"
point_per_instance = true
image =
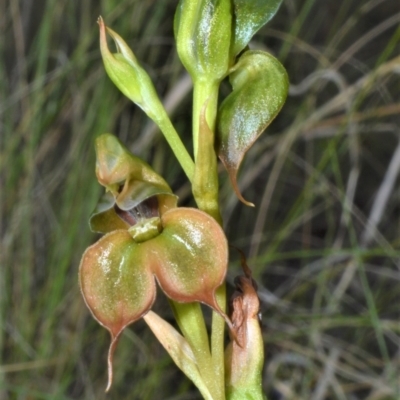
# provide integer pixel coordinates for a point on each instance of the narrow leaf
(179, 350)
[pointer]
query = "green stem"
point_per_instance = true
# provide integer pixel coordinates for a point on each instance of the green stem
(204, 91)
(217, 341)
(205, 190)
(164, 123)
(190, 320)
(205, 180)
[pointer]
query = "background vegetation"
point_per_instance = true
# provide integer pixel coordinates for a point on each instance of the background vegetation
(323, 240)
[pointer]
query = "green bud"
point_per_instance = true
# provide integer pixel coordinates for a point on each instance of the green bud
(127, 74)
(203, 35)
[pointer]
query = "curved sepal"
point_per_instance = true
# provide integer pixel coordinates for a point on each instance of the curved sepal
(115, 164)
(249, 17)
(117, 285)
(260, 86)
(191, 256)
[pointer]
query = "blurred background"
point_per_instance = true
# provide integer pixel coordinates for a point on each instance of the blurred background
(323, 240)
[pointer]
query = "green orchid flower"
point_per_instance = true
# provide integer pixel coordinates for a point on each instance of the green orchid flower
(148, 239)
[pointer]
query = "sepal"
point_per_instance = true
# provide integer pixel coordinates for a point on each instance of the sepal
(115, 164)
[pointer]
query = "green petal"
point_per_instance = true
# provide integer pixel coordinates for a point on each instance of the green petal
(260, 85)
(190, 256)
(135, 192)
(250, 16)
(116, 284)
(104, 219)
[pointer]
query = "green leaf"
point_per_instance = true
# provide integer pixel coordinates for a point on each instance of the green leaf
(203, 35)
(260, 86)
(249, 17)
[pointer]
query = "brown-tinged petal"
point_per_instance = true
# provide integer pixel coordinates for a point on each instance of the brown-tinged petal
(260, 85)
(115, 165)
(190, 257)
(117, 285)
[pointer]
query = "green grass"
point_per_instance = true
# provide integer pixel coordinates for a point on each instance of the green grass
(323, 240)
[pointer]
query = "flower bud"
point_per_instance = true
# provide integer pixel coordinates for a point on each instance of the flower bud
(127, 74)
(203, 35)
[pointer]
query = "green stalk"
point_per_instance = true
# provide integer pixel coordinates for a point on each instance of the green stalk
(204, 91)
(164, 123)
(217, 340)
(190, 320)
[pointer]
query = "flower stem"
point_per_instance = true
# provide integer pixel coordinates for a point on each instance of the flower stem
(190, 320)
(205, 190)
(204, 92)
(217, 341)
(161, 118)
